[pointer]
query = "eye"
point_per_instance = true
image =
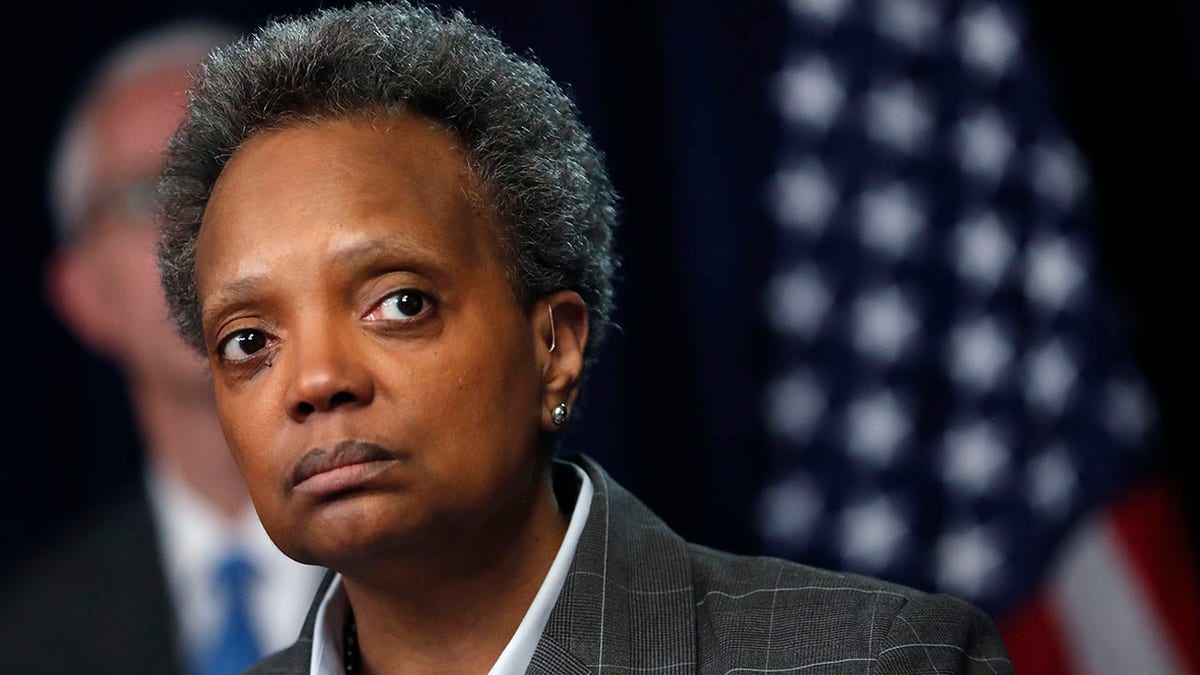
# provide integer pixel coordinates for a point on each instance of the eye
(402, 305)
(241, 345)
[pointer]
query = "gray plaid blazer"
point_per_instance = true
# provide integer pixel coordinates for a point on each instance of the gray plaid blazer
(639, 599)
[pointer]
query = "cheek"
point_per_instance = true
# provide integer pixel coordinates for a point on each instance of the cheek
(260, 471)
(488, 403)
(456, 406)
(254, 444)
(245, 434)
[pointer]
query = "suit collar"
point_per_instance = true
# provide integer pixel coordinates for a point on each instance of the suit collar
(628, 593)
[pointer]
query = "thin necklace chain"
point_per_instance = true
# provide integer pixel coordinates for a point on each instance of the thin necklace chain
(351, 659)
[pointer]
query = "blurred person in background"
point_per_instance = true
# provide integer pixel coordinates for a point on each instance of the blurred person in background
(178, 575)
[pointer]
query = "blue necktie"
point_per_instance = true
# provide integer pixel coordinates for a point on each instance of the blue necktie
(236, 646)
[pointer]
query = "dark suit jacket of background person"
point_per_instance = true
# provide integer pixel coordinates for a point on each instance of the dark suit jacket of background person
(640, 599)
(97, 602)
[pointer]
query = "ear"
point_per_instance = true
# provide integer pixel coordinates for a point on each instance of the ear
(75, 292)
(561, 327)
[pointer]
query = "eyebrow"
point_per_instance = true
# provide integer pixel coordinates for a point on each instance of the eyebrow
(243, 291)
(232, 296)
(370, 248)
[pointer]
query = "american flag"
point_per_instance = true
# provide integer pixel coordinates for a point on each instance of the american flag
(953, 405)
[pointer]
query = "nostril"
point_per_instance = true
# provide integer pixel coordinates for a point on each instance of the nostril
(318, 402)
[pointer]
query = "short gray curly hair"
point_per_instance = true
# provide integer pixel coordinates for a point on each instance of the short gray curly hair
(521, 133)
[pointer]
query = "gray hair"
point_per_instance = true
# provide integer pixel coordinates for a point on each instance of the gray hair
(180, 44)
(521, 133)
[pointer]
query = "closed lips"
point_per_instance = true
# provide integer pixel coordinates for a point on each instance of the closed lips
(345, 453)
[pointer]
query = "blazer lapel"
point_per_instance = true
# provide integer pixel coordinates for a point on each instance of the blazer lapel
(627, 603)
(297, 659)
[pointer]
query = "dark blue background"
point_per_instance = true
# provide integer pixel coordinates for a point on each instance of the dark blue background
(676, 93)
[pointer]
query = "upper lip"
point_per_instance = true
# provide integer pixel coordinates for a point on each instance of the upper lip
(344, 453)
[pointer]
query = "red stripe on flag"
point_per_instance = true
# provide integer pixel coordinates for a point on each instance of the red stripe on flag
(1154, 538)
(1035, 639)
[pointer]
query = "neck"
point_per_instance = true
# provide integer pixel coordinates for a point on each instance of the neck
(456, 614)
(180, 432)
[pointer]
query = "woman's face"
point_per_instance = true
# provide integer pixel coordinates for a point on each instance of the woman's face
(380, 385)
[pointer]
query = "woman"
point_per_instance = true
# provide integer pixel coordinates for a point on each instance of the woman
(391, 237)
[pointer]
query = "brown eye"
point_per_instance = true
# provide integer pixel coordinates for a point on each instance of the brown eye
(402, 305)
(242, 344)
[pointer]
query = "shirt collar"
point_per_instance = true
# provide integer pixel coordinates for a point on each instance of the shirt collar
(326, 656)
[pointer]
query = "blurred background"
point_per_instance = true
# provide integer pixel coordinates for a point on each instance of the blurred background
(904, 286)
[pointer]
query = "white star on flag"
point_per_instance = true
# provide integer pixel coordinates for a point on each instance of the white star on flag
(805, 197)
(969, 561)
(979, 353)
(984, 249)
(985, 145)
(872, 532)
(876, 426)
(987, 41)
(1053, 272)
(811, 93)
(890, 218)
(898, 117)
(975, 458)
(884, 323)
(911, 22)
(827, 12)
(798, 301)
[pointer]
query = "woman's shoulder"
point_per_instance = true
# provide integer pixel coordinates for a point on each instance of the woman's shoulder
(723, 574)
(804, 616)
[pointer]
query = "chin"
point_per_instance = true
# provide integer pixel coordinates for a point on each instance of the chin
(349, 531)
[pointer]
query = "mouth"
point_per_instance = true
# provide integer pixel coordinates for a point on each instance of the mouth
(345, 466)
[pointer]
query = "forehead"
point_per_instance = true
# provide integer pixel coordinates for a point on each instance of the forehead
(295, 196)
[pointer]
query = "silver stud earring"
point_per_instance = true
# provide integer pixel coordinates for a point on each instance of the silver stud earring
(559, 414)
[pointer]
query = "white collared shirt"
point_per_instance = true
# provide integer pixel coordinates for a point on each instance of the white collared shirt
(514, 660)
(194, 537)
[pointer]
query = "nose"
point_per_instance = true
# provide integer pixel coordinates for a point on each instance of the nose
(326, 375)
